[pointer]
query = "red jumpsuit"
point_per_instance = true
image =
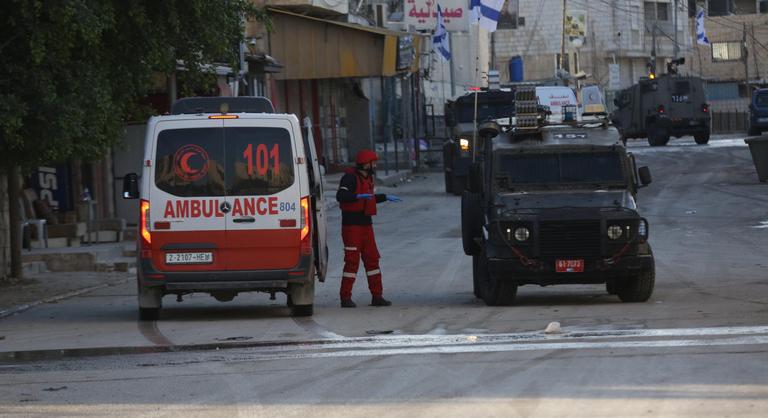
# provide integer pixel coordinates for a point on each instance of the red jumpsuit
(357, 232)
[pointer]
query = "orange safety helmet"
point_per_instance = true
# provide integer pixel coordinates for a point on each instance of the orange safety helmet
(365, 156)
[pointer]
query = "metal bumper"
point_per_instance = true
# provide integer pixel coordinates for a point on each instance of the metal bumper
(542, 272)
(205, 281)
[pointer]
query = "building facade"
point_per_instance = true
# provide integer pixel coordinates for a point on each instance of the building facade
(610, 41)
(736, 61)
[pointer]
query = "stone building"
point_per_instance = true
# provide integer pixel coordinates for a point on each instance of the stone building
(737, 59)
(606, 36)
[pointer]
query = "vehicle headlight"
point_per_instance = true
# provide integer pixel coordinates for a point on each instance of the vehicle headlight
(464, 144)
(522, 234)
(615, 232)
(642, 229)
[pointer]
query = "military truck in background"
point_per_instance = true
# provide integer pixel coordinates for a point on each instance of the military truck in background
(498, 105)
(555, 204)
(660, 107)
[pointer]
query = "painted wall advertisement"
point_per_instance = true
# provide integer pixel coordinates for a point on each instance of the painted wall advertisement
(52, 185)
(422, 14)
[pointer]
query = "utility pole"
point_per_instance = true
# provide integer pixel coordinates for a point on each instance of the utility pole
(562, 42)
(754, 51)
(676, 48)
(745, 55)
(450, 63)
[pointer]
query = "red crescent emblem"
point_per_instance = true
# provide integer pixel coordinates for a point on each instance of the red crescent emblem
(190, 170)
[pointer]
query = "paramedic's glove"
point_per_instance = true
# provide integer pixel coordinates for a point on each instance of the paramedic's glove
(393, 198)
(364, 196)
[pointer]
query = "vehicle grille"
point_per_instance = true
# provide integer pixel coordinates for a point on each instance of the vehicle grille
(572, 239)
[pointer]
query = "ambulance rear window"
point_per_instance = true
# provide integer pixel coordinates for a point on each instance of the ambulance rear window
(190, 162)
(259, 160)
(238, 161)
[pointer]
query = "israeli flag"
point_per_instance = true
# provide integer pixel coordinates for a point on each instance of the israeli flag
(474, 11)
(701, 36)
(489, 13)
(440, 38)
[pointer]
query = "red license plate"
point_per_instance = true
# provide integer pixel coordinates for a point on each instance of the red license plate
(569, 266)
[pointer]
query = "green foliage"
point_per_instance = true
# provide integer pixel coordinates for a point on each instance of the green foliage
(72, 71)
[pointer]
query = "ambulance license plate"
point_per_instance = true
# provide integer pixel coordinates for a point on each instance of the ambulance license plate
(569, 266)
(189, 258)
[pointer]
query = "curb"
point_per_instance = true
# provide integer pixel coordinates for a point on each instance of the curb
(21, 308)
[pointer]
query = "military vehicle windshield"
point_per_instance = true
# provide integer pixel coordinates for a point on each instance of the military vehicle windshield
(490, 105)
(567, 169)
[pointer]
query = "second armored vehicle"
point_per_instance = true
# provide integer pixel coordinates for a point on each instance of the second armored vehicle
(657, 108)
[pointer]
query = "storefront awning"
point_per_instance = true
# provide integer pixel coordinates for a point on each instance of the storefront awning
(313, 48)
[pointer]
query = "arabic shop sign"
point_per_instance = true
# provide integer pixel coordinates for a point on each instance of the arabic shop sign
(422, 14)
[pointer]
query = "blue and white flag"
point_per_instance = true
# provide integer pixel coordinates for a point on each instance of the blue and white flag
(701, 36)
(474, 11)
(490, 11)
(440, 38)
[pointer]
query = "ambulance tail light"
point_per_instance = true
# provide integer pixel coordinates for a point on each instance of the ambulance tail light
(306, 225)
(146, 236)
(661, 109)
(705, 108)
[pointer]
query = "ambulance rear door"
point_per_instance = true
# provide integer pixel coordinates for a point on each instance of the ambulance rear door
(186, 190)
(319, 240)
(265, 186)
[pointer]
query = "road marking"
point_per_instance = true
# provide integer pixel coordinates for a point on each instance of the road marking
(495, 348)
(763, 225)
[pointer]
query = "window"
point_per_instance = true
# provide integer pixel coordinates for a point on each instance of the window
(589, 168)
(509, 14)
(190, 162)
(726, 51)
(656, 11)
(259, 161)
(199, 162)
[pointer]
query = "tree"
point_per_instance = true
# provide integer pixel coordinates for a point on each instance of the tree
(72, 71)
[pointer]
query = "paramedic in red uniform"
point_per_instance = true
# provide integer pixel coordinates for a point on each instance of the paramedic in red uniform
(357, 201)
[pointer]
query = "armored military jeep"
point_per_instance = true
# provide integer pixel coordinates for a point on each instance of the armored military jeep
(556, 205)
(657, 108)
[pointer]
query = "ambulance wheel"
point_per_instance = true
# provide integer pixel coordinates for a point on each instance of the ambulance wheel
(471, 218)
(302, 310)
(448, 182)
(149, 314)
(638, 288)
(494, 291)
(702, 138)
(150, 302)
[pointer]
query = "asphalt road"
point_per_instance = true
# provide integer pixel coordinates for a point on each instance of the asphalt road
(699, 347)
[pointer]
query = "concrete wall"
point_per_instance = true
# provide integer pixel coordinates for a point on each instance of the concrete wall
(5, 239)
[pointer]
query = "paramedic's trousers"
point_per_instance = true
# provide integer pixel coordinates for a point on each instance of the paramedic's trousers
(359, 242)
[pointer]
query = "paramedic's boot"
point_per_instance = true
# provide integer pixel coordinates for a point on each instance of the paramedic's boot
(347, 303)
(380, 301)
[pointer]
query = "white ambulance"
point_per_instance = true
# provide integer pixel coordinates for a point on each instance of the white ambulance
(231, 201)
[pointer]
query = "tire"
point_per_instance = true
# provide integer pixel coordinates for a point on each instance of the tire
(149, 314)
(302, 310)
(702, 138)
(754, 131)
(638, 288)
(658, 138)
(494, 292)
(471, 222)
(150, 302)
(475, 278)
(448, 182)
(458, 184)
